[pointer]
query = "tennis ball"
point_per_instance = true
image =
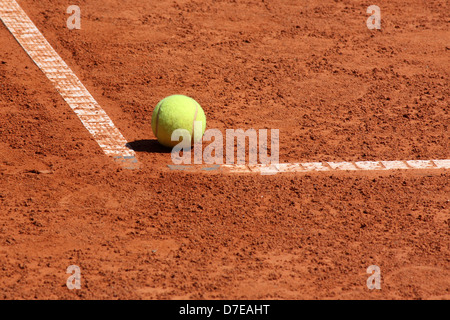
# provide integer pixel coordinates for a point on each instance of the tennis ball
(176, 112)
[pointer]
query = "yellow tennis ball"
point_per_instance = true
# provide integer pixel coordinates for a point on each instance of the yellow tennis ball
(176, 112)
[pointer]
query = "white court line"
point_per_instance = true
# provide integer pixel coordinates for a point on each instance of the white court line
(339, 166)
(93, 117)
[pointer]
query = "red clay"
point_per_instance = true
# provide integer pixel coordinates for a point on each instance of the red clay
(335, 90)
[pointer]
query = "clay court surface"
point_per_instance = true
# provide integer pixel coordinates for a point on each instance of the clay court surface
(336, 90)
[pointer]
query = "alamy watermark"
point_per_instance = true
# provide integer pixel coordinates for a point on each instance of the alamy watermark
(74, 21)
(374, 21)
(74, 281)
(235, 139)
(374, 281)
